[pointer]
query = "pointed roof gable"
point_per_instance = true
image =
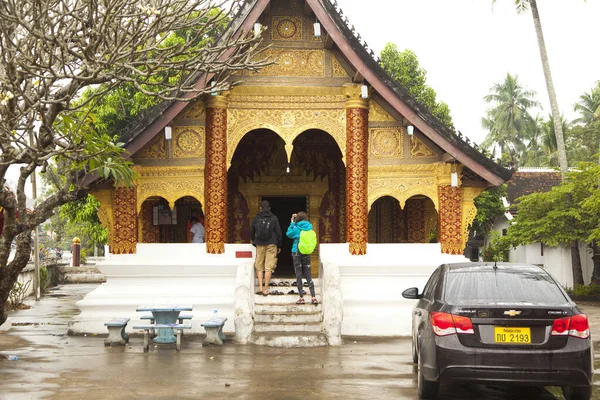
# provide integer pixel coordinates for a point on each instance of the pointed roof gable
(364, 63)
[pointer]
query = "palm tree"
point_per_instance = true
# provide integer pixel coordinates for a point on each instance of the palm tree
(507, 120)
(522, 6)
(588, 106)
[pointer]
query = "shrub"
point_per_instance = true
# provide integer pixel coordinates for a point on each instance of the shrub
(17, 294)
(585, 290)
(43, 278)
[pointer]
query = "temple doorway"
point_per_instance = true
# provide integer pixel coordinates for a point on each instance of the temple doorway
(283, 207)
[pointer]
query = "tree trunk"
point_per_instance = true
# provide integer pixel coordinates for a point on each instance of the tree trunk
(10, 273)
(596, 259)
(576, 263)
(560, 141)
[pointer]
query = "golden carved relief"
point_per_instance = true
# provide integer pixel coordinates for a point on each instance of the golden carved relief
(287, 102)
(378, 114)
(195, 110)
(286, 28)
(404, 181)
(189, 141)
(170, 183)
(418, 149)
(293, 63)
(105, 212)
(385, 143)
(288, 124)
(338, 70)
(469, 211)
(156, 149)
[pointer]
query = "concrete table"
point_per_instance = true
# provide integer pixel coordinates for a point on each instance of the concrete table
(165, 315)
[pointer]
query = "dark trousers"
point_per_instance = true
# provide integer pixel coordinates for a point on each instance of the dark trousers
(302, 267)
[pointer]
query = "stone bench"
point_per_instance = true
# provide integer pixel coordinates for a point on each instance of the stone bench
(179, 320)
(116, 332)
(152, 327)
(214, 331)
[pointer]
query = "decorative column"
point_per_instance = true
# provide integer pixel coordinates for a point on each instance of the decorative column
(357, 207)
(125, 221)
(215, 174)
(450, 232)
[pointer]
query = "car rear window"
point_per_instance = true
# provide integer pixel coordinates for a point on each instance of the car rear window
(476, 286)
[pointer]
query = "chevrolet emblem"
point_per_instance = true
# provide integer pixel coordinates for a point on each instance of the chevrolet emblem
(512, 313)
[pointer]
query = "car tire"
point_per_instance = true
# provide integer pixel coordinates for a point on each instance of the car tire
(415, 354)
(426, 389)
(577, 392)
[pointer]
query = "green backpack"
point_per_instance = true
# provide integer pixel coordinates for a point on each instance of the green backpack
(307, 242)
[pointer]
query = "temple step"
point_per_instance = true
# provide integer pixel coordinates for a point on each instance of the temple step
(289, 339)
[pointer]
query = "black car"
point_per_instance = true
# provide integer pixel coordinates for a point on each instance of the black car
(499, 323)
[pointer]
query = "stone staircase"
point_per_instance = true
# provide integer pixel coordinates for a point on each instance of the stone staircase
(280, 322)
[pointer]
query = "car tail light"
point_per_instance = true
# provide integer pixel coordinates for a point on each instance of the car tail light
(580, 328)
(447, 324)
(560, 327)
(576, 326)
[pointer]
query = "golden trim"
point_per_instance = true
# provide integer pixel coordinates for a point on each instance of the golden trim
(469, 211)
(171, 183)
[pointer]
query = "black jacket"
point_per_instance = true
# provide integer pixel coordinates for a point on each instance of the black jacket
(276, 235)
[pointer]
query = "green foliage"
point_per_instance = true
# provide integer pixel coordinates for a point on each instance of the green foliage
(405, 70)
(566, 213)
(586, 290)
(489, 206)
(496, 249)
(508, 120)
(43, 278)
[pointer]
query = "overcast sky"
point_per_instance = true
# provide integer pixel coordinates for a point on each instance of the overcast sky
(466, 46)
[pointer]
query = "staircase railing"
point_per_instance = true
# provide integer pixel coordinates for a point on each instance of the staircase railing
(333, 311)
(244, 302)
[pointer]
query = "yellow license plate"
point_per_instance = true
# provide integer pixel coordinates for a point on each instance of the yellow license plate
(512, 335)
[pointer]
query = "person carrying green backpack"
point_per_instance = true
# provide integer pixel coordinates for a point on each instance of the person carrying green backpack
(305, 241)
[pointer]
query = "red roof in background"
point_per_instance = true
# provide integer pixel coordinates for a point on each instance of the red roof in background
(527, 182)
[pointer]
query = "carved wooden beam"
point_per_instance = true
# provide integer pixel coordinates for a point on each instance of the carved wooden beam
(358, 77)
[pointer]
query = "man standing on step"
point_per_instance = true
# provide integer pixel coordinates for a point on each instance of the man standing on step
(265, 234)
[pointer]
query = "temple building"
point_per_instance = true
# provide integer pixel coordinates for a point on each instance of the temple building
(324, 129)
(388, 189)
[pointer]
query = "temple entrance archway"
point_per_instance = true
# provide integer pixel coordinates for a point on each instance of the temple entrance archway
(158, 223)
(415, 223)
(315, 173)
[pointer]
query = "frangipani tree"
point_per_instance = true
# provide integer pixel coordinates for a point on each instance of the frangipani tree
(52, 50)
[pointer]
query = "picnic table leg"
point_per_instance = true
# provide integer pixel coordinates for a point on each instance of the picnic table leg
(146, 340)
(221, 334)
(179, 333)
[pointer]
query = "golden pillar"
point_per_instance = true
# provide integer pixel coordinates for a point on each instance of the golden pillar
(357, 207)
(125, 221)
(450, 233)
(215, 174)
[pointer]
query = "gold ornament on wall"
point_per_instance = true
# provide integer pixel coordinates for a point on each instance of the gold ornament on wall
(195, 110)
(286, 28)
(156, 149)
(418, 149)
(338, 70)
(189, 141)
(378, 114)
(385, 143)
(293, 63)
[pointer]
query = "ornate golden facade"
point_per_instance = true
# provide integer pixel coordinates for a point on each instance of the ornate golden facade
(307, 92)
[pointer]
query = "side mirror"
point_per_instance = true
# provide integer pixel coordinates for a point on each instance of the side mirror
(411, 293)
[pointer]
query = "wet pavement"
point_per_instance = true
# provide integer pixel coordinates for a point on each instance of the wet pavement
(53, 365)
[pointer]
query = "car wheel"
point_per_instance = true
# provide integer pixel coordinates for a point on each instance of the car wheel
(577, 392)
(415, 354)
(426, 389)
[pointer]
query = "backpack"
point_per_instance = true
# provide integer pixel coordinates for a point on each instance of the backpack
(307, 242)
(264, 228)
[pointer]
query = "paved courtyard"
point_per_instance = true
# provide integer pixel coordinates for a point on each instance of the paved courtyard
(53, 365)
